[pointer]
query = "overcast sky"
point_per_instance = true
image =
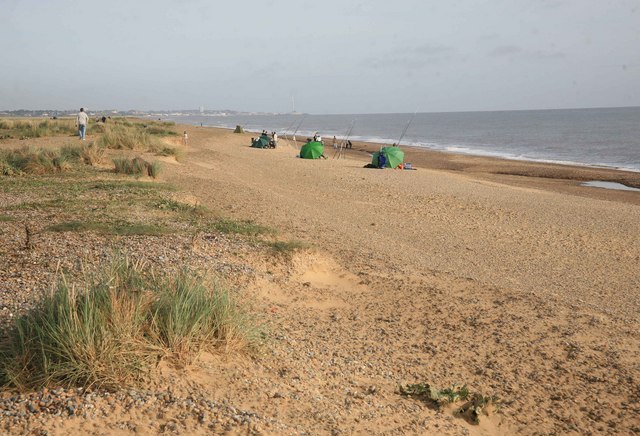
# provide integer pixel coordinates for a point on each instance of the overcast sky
(334, 56)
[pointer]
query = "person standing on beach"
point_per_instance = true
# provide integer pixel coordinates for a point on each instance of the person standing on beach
(81, 123)
(335, 143)
(274, 135)
(185, 138)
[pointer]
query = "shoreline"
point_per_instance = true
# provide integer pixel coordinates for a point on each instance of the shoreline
(608, 147)
(558, 177)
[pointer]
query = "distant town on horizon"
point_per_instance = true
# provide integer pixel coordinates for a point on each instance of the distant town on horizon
(115, 112)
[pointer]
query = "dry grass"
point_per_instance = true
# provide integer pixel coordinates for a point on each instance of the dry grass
(113, 328)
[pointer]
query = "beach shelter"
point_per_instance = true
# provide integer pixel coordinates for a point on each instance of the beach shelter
(394, 156)
(312, 150)
(261, 142)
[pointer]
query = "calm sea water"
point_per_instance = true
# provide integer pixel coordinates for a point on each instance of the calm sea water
(607, 137)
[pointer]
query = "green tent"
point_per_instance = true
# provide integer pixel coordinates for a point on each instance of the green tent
(394, 156)
(261, 142)
(312, 150)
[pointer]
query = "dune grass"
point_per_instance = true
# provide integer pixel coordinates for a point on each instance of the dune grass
(136, 167)
(125, 134)
(120, 137)
(34, 161)
(90, 153)
(115, 326)
(37, 128)
(39, 161)
(117, 228)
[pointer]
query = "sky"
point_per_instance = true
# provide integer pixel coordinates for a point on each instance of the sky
(329, 56)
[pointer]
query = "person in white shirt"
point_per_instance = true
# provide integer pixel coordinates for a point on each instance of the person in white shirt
(81, 121)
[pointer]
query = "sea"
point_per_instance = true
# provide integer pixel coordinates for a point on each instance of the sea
(602, 137)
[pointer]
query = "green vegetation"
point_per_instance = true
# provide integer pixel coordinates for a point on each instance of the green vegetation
(154, 169)
(475, 404)
(239, 227)
(439, 396)
(117, 228)
(6, 218)
(120, 137)
(33, 161)
(90, 153)
(287, 247)
(136, 166)
(24, 129)
(39, 161)
(135, 135)
(113, 328)
(176, 206)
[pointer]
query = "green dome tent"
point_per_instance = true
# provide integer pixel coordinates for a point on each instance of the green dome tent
(394, 156)
(261, 142)
(312, 150)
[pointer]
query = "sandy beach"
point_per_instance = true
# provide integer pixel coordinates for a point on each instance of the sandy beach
(505, 276)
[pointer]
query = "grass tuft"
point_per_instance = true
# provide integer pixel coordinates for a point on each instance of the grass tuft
(34, 161)
(90, 153)
(119, 228)
(287, 247)
(136, 166)
(37, 128)
(239, 227)
(112, 329)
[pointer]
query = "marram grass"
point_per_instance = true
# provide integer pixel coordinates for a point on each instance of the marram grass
(113, 328)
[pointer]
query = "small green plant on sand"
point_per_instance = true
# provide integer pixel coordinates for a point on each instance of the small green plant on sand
(475, 404)
(239, 227)
(287, 247)
(439, 396)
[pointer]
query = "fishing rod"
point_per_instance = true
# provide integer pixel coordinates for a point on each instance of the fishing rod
(296, 131)
(340, 152)
(288, 129)
(405, 129)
